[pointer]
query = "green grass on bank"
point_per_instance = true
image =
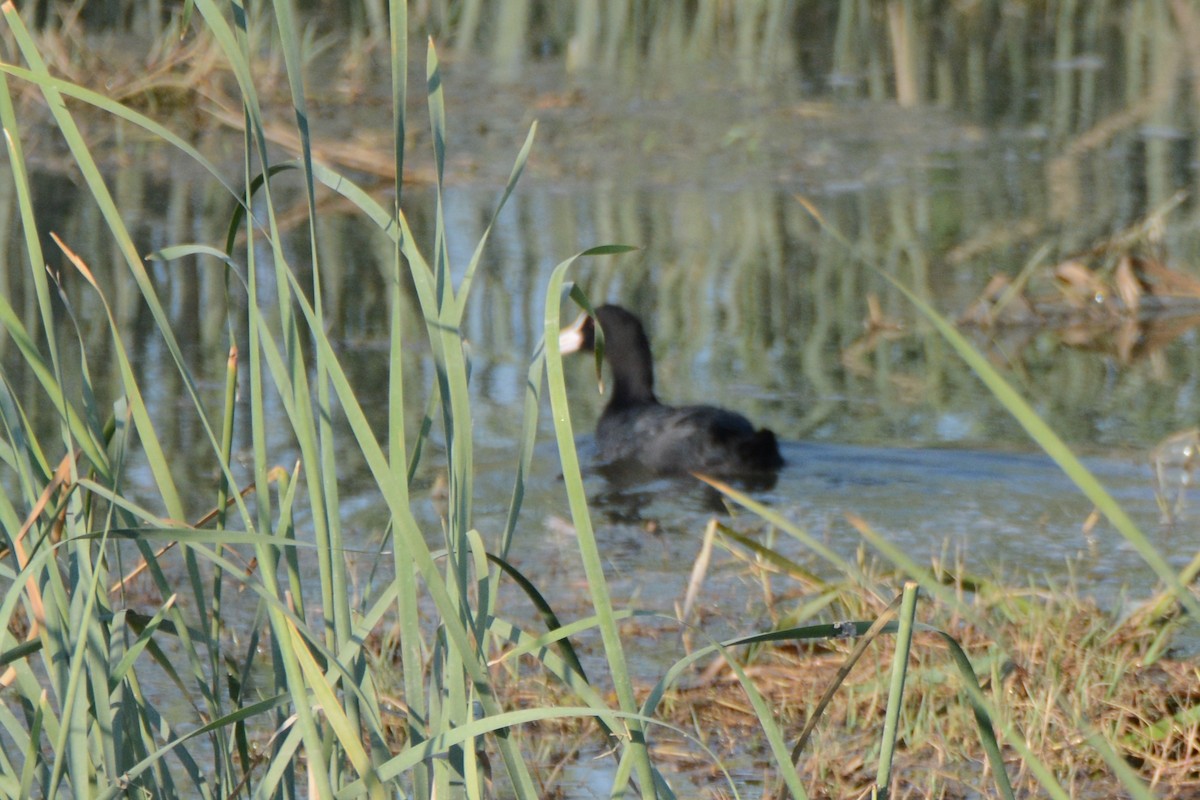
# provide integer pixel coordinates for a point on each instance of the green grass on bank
(398, 689)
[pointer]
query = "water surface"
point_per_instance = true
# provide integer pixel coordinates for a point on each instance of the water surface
(749, 304)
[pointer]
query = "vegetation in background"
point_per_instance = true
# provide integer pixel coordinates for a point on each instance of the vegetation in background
(1120, 157)
(992, 58)
(409, 683)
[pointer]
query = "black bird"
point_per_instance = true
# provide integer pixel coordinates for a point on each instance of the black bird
(636, 427)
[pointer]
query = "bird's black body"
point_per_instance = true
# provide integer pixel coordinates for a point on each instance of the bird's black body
(636, 427)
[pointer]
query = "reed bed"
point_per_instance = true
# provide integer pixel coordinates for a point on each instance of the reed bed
(419, 684)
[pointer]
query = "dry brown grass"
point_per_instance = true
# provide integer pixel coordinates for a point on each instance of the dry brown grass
(1056, 665)
(159, 77)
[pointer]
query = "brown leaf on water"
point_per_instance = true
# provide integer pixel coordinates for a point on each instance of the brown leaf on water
(1126, 340)
(878, 328)
(877, 321)
(1129, 289)
(1079, 285)
(1082, 334)
(1163, 281)
(979, 312)
(999, 302)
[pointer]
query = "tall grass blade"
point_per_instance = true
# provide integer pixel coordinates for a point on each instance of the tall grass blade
(773, 557)
(87, 436)
(99, 190)
(288, 671)
(452, 614)
(157, 131)
(513, 177)
(450, 707)
(788, 775)
(577, 499)
(335, 594)
(776, 519)
(443, 743)
(907, 613)
(529, 431)
(411, 636)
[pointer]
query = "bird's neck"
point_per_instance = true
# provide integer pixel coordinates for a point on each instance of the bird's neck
(633, 384)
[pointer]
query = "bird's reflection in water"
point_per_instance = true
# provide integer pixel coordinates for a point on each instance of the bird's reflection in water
(629, 493)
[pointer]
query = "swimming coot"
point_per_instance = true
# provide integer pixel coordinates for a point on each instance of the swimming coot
(636, 427)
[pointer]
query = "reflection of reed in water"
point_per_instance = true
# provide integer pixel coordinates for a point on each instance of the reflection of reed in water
(1061, 65)
(745, 295)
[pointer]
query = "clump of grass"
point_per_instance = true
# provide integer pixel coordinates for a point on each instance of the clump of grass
(1054, 665)
(315, 707)
(1057, 668)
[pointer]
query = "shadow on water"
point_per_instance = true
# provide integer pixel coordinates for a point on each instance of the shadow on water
(630, 492)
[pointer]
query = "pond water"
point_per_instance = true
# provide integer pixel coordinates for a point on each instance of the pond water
(749, 305)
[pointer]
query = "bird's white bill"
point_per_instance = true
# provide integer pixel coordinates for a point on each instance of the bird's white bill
(570, 338)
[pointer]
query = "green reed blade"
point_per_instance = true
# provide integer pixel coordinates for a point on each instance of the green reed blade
(32, 756)
(324, 697)
(411, 538)
(781, 756)
(157, 130)
(442, 743)
(904, 631)
(25, 457)
(768, 514)
(529, 432)
(577, 500)
(544, 611)
(408, 617)
(515, 175)
(126, 662)
(98, 188)
(788, 566)
(47, 374)
(335, 593)
(290, 375)
(398, 46)
(117, 790)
